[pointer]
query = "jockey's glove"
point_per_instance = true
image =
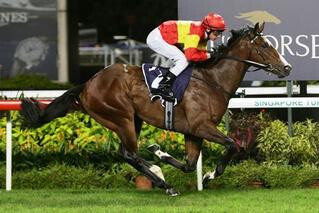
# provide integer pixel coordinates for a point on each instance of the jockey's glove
(211, 53)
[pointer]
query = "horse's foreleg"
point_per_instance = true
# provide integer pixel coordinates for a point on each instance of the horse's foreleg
(153, 172)
(209, 132)
(221, 165)
(212, 134)
(138, 125)
(193, 147)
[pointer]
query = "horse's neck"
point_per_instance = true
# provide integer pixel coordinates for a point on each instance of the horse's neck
(228, 73)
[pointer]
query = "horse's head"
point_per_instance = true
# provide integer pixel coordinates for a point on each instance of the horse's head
(245, 47)
(264, 53)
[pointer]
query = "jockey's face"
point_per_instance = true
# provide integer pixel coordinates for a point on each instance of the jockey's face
(214, 34)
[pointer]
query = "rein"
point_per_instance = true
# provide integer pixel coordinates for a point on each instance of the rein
(214, 85)
(258, 66)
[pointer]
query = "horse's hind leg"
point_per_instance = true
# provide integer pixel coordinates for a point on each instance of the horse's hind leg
(128, 150)
(193, 147)
(148, 170)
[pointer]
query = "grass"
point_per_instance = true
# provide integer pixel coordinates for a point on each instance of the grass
(254, 200)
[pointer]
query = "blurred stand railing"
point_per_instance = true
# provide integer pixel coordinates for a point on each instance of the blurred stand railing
(128, 52)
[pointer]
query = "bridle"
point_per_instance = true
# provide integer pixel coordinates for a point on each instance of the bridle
(259, 66)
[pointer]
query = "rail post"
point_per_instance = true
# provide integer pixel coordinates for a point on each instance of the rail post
(199, 172)
(8, 152)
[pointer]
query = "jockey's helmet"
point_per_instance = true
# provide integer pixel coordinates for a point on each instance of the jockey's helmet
(214, 21)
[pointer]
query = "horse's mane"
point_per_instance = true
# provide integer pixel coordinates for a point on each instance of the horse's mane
(222, 49)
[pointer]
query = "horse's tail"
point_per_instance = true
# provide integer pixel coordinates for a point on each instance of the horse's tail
(35, 115)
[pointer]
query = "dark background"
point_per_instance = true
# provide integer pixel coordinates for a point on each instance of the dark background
(12, 35)
(133, 18)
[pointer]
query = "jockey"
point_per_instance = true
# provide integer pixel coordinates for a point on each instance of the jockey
(192, 36)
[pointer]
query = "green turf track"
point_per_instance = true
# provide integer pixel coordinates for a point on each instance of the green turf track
(222, 200)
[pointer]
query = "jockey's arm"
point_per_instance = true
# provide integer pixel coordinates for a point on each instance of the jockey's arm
(193, 50)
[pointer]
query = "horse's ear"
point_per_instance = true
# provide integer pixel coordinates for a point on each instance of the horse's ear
(261, 28)
(256, 29)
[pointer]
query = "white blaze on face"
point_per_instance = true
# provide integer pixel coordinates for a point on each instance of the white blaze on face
(267, 41)
(283, 60)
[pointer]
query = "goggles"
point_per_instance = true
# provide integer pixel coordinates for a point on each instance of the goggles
(215, 32)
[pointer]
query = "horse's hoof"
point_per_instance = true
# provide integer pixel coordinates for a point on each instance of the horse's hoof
(208, 177)
(172, 192)
(153, 148)
(206, 181)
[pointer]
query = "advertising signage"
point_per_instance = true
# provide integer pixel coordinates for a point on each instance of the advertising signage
(28, 38)
(291, 27)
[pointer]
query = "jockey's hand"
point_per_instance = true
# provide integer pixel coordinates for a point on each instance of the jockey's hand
(212, 51)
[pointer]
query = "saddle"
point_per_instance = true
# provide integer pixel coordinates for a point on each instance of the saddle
(153, 74)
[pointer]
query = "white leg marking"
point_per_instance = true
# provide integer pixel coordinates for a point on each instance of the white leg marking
(160, 154)
(209, 175)
(158, 171)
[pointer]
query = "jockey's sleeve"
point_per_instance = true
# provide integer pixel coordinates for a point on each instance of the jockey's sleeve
(192, 51)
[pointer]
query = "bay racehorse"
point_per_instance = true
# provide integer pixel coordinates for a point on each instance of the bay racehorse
(117, 97)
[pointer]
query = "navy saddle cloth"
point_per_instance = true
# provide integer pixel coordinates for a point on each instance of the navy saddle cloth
(151, 72)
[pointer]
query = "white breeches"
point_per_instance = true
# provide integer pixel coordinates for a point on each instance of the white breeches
(156, 42)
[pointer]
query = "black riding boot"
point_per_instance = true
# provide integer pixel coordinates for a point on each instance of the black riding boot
(165, 87)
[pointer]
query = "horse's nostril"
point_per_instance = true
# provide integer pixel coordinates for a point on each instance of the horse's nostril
(287, 68)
